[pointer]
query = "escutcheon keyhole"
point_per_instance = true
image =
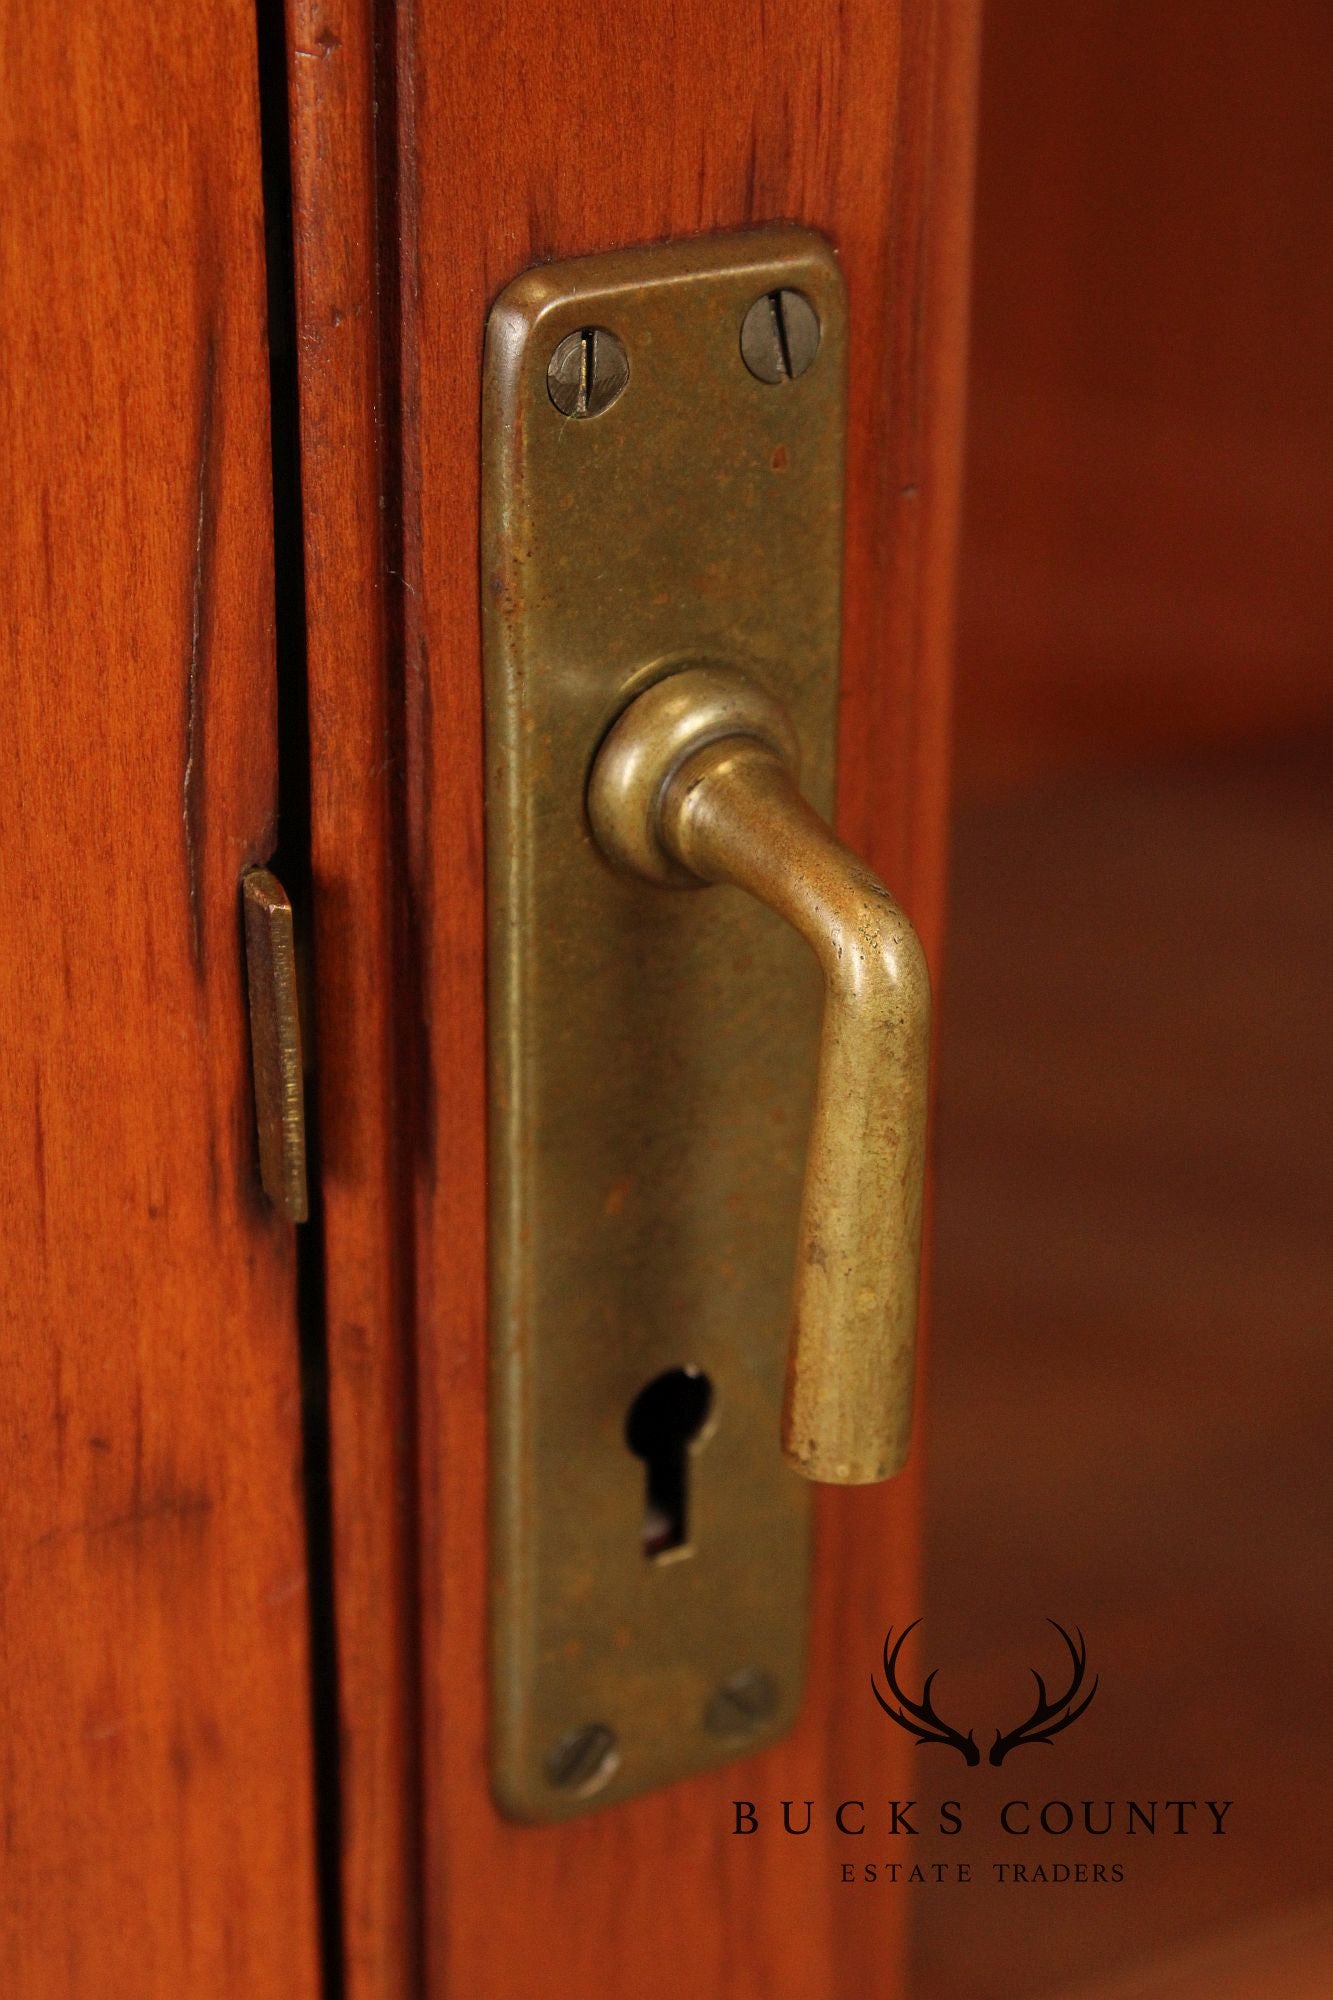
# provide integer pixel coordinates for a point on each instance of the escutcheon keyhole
(665, 1419)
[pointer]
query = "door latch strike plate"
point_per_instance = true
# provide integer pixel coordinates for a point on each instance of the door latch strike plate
(275, 1042)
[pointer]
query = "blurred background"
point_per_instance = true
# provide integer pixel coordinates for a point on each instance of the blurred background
(1129, 1377)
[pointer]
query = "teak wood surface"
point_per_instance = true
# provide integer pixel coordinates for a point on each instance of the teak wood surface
(156, 1797)
(437, 152)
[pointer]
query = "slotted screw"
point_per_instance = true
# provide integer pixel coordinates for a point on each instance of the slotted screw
(780, 336)
(587, 372)
(583, 1761)
(742, 1704)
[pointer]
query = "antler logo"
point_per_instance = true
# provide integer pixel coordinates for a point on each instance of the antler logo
(920, 1719)
(1048, 1718)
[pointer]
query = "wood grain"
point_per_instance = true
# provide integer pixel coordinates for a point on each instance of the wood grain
(344, 282)
(155, 1780)
(1150, 461)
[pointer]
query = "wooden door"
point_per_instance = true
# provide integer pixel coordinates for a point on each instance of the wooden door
(156, 1786)
(244, 1716)
(436, 153)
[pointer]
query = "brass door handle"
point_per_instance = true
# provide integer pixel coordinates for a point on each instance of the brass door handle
(695, 784)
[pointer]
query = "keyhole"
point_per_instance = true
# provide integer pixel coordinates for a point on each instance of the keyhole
(664, 1420)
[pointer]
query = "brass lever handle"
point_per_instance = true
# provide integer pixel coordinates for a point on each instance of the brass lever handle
(696, 783)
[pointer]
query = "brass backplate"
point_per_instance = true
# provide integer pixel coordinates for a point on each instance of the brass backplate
(652, 1050)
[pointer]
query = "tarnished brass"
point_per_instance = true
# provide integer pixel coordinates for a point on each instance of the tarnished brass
(652, 1053)
(275, 1042)
(699, 777)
